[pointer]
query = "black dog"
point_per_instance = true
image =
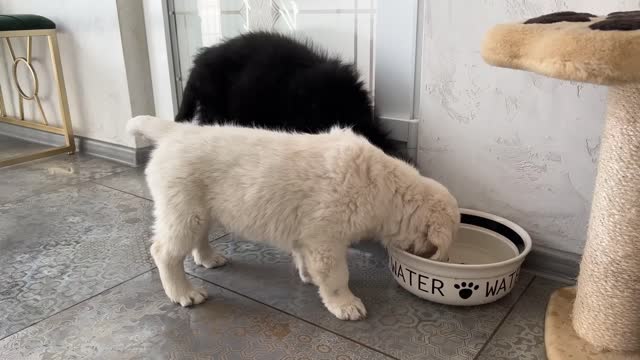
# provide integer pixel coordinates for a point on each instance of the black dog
(272, 81)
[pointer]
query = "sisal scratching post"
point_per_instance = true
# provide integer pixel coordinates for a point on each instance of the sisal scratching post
(600, 318)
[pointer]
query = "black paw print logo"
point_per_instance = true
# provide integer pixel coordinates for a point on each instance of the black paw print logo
(466, 290)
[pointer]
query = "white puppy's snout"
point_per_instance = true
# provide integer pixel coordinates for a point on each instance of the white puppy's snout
(439, 256)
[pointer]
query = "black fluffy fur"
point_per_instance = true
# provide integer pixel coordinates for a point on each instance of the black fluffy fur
(272, 81)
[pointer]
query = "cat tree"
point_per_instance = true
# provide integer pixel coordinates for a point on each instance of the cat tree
(600, 317)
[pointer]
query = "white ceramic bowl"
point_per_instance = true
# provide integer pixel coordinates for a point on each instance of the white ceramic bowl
(484, 263)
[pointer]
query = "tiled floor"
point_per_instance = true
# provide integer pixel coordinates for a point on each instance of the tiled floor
(77, 281)
(11, 147)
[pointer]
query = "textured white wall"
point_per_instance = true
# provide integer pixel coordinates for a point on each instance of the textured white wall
(509, 142)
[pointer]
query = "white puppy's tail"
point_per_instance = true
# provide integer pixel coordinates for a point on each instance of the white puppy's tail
(150, 127)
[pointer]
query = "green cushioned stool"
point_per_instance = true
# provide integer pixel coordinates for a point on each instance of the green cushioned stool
(27, 26)
(25, 22)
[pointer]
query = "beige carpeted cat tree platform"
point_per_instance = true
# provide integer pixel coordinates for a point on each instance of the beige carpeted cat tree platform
(600, 317)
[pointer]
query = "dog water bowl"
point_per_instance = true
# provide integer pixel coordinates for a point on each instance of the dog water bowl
(484, 263)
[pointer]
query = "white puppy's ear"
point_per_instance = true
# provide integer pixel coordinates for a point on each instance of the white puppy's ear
(441, 238)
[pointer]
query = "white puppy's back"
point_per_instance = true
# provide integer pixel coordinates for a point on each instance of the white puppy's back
(260, 184)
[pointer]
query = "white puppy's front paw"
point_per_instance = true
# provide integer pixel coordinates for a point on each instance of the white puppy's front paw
(189, 296)
(347, 308)
(210, 261)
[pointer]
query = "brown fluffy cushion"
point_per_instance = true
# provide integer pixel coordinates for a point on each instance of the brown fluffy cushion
(570, 46)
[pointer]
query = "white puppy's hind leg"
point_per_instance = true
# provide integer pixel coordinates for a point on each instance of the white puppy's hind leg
(205, 255)
(327, 266)
(176, 234)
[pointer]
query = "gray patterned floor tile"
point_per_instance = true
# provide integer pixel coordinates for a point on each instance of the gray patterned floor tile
(62, 247)
(398, 324)
(36, 177)
(135, 321)
(130, 181)
(12, 147)
(521, 336)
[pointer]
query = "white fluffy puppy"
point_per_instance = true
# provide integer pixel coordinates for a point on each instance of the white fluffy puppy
(311, 195)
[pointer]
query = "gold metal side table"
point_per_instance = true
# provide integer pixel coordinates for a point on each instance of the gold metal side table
(18, 27)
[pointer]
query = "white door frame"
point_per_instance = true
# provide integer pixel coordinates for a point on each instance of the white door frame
(156, 18)
(398, 62)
